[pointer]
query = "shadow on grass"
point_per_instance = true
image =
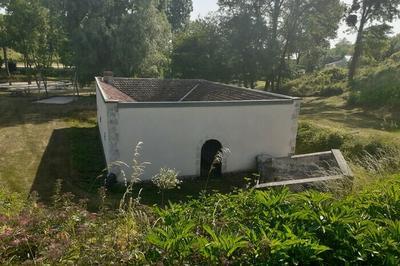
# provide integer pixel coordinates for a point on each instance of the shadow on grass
(21, 110)
(73, 155)
(352, 118)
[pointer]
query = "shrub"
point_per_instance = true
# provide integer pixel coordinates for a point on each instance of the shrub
(166, 179)
(377, 86)
(314, 139)
(311, 138)
(328, 82)
(12, 66)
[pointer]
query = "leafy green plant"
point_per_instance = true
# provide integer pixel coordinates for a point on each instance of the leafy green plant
(222, 247)
(166, 179)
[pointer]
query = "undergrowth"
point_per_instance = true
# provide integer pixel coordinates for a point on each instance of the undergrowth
(312, 138)
(246, 227)
(378, 86)
(271, 227)
(328, 82)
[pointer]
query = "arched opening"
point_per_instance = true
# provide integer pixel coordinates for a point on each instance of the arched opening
(209, 151)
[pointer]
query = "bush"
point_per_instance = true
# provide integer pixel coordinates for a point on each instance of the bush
(311, 138)
(328, 82)
(378, 86)
(12, 66)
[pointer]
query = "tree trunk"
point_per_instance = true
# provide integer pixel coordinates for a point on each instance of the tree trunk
(298, 58)
(6, 64)
(274, 42)
(75, 83)
(252, 84)
(281, 66)
(38, 83)
(358, 46)
(45, 85)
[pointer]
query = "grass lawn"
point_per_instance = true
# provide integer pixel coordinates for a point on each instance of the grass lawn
(41, 143)
(333, 113)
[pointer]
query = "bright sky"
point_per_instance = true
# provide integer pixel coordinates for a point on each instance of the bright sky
(203, 7)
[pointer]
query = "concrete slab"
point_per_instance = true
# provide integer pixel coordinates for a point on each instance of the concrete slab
(57, 100)
(303, 170)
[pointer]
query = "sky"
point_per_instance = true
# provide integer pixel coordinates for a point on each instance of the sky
(203, 7)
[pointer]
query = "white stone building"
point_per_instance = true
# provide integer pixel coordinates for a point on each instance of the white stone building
(184, 123)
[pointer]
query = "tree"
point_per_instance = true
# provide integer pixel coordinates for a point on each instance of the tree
(394, 45)
(132, 38)
(200, 52)
(377, 41)
(362, 13)
(341, 49)
(264, 35)
(178, 12)
(275, 11)
(35, 32)
(4, 43)
(306, 29)
(244, 25)
(314, 30)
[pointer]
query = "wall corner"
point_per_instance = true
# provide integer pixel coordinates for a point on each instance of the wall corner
(295, 125)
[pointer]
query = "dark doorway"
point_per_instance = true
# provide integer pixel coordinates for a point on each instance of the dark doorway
(209, 152)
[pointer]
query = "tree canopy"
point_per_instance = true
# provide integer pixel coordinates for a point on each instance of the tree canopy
(244, 42)
(364, 12)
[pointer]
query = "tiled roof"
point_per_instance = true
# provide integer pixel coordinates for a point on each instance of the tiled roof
(114, 94)
(154, 90)
(159, 90)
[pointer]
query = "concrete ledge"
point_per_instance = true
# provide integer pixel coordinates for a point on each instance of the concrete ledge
(299, 181)
(302, 169)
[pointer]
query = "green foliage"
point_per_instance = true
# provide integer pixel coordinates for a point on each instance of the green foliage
(11, 203)
(129, 37)
(341, 49)
(364, 12)
(178, 12)
(199, 52)
(378, 86)
(377, 41)
(311, 138)
(248, 41)
(166, 179)
(278, 227)
(271, 227)
(327, 82)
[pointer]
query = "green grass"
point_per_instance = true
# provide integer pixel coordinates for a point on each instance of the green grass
(41, 143)
(333, 113)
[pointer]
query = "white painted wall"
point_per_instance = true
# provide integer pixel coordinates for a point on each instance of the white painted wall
(173, 136)
(102, 120)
